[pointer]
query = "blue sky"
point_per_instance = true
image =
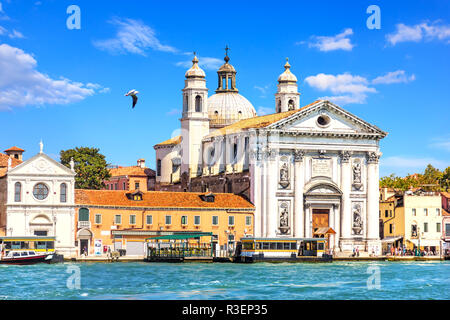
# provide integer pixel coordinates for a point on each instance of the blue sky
(67, 87)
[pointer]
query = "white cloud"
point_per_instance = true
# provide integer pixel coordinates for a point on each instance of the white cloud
(173, 112)
(263, 90)
(398, 76)
(16, 34)
(22, 85)
(412, 163)
(133, 36)
(207, 63)
(340, 41)
(346, 88)
(419, 32)
(264, 110)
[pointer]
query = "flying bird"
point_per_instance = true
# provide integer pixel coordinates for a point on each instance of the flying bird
(133, 93)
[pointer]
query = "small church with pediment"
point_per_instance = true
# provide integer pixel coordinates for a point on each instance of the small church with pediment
(40, 201)
(305, 168)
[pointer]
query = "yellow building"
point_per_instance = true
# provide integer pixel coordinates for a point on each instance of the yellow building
(412, 219)
(392, 222)
(124, 219)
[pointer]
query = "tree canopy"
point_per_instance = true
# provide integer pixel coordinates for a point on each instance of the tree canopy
(90, 166)
(432, 179)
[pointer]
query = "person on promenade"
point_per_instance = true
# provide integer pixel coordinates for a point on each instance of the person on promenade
(392, 250)
(357, 251)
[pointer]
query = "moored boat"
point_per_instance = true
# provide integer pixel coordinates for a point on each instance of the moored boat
(28, 250)
(26, 257)
(283, 250)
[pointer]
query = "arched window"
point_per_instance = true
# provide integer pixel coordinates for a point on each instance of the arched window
(186, 104)
(83, 214)
(63, 193)
(158, 167)
(17, 192)
(279, 106)
(239, 114)
(198, 104)
(291, 105)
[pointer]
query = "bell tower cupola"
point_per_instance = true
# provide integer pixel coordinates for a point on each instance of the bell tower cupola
(287, 97)
(227, 76)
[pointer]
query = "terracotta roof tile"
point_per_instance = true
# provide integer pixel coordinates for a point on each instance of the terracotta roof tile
(446, 194)
(159, 199)
(445, 212)
(14, 149)
(4, 163)
(174, 141)
(131, 171)
(256, 122)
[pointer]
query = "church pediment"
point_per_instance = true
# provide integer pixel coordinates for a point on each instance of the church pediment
(325, 118)
(41, 164)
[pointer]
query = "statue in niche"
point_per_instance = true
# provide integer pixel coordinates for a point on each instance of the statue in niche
(284, 219)
(357, 220)
(357, 185)
(284, 176)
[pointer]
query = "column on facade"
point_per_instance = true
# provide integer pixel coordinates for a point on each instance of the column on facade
(271, 178)
(372, 221)
(255, 192)
(337, 224)
(346, 220)
(299, 181)
(307, 222)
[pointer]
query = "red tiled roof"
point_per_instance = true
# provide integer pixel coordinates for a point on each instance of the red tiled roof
(4, 163)
(446, 194)
(173, 141)
(159, 199)
(14, 149)
(131, 171)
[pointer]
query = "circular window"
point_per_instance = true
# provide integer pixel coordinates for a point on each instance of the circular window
(40, 191)
(323, 120)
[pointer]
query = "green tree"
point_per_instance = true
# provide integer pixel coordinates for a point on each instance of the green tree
(430, 178)
(90, 166)
(445, 179)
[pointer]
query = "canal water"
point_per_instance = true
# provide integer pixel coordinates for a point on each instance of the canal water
(135, 280)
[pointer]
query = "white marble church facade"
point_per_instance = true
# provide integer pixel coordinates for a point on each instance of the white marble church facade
(307, 167)
(40, 201)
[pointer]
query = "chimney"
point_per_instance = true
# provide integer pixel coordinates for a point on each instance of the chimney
(141, 163)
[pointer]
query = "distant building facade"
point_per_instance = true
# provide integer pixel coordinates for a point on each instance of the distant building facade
(412, 219)
(446, 221)
(124, 219)
(131, 178)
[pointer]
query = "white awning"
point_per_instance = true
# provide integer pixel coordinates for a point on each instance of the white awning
(426, 242)
(391, 239)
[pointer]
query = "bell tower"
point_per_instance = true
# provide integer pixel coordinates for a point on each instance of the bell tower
(287, 97)
(194, 120)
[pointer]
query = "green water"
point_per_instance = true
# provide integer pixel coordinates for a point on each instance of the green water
(337, 280)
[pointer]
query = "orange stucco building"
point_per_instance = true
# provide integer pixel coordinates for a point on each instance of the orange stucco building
(124, 219)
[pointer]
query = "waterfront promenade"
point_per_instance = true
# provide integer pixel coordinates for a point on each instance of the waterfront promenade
(104, 258)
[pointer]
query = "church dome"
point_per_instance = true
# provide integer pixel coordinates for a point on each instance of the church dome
(195, 71)
(225, 108)
(287, 75)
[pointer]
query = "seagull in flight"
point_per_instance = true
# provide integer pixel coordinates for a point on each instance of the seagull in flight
(133, 93)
